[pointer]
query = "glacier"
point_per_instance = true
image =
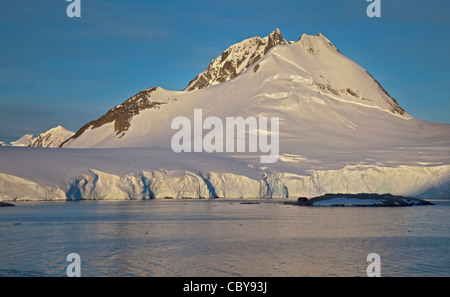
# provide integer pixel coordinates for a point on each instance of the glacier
(415, 181)
(339, 132)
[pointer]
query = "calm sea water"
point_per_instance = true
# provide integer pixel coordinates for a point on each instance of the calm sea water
(222, 238)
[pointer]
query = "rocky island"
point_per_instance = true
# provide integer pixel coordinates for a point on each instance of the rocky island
(363, 199)
(4, 204)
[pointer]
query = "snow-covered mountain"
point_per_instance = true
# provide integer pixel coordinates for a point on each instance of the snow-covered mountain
(51, 138)
(23, 141)
(339, 132)
(307, 84)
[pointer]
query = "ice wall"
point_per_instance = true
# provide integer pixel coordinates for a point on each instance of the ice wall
(423, 182)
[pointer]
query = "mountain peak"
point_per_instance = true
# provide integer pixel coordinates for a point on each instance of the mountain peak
(309, 73)
(275, 38)
(52, 138)
(235, 60)
(23, 141)
(276, 34)
(311, 42)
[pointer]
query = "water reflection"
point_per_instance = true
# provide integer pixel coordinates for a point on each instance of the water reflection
(222, 238)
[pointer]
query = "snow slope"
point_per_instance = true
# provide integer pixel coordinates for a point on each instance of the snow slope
(23, 141)
(340, 131)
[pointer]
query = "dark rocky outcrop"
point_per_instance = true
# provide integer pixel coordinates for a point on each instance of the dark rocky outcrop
(122, 114)
(382, 200)
(224, 68)
(4, 204)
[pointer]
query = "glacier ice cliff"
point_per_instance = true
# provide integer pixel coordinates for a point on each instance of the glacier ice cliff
(423, 182)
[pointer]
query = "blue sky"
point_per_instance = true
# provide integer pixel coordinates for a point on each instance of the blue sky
(56, 70)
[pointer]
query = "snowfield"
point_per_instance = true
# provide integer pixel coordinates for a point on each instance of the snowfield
(67, 174)
(339, 132)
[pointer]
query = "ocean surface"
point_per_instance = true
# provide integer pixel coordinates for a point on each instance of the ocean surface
(249, 238)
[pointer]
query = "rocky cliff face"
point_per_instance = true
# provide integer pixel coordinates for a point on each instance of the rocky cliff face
(122, 114)
(235, 60)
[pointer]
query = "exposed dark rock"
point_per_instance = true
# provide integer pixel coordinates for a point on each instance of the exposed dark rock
(353, 93)
(122, 114)
(221, 69)
(4, 204)
(327, 88)
(382, 200)
(274, 39)
(302, 200)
